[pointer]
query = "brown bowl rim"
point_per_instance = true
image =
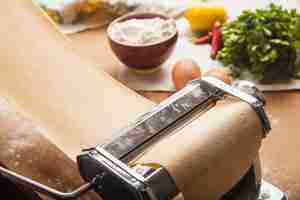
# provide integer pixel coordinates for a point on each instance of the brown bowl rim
(132, 14)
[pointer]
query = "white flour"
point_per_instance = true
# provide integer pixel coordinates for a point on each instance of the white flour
(140, 32)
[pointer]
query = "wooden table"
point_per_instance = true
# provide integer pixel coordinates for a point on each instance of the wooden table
(279, 154)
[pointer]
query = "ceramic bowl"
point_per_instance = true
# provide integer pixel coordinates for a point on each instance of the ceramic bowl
(142, 58)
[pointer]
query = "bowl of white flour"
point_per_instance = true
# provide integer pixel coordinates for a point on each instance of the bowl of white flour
(143, 41)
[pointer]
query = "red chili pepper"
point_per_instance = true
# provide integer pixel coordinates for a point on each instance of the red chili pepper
(204, 39)
(216, 39)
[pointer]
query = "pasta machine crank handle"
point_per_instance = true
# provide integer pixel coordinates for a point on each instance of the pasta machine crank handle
(50, 192)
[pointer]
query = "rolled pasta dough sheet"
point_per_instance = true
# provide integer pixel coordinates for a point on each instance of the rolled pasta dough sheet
(211, 154)
(53, 103)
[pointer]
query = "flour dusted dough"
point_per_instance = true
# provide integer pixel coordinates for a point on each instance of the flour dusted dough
(39, 72)
(53, 103)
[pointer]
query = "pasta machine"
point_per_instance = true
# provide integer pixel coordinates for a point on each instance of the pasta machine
(106, 168)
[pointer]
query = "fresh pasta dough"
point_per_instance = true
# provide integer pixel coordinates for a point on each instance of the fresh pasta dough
(53, 103)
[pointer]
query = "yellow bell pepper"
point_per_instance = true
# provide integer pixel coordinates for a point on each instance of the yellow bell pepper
(203, 18)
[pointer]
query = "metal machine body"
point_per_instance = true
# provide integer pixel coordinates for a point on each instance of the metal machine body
(106, 168)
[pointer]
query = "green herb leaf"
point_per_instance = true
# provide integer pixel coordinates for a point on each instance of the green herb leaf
(264, 42)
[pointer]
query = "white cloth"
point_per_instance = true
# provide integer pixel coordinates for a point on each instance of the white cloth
(68, 11)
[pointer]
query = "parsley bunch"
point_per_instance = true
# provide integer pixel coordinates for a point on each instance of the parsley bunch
(265, 42)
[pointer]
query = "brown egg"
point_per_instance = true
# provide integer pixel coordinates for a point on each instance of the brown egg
(221, 74)
(185, 71)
